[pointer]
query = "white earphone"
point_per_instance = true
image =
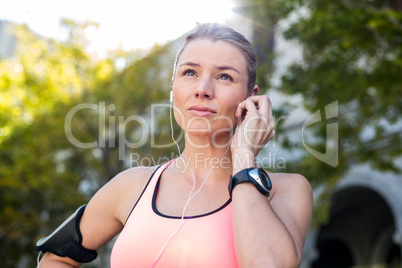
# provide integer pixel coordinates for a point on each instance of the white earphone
(191, 195)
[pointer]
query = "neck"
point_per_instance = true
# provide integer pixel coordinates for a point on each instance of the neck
(201, 156)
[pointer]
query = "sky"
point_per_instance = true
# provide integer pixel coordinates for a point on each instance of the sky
(134, 24)
(131, 24)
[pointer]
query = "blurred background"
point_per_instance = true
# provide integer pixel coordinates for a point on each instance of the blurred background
(84, 93)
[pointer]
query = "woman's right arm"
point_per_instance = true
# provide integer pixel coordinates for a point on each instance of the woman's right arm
(106, 213)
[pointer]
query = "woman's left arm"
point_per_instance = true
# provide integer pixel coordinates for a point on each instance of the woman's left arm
(268, 232)
(271, 232)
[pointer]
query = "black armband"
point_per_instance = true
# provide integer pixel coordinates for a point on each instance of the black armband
(66, 240)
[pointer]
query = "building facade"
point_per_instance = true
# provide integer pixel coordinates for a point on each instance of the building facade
(365, 223)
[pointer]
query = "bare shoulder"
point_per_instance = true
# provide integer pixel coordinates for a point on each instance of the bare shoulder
(290, 183)
(117, 197)
(292, 200)
(109, 207)
(126, 187)
(132, 177)
(129, 180)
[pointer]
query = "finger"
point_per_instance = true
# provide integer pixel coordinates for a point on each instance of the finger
(271, 135)
(262, 103)
(249, 104)
(246, 105)
(270, 116)
(264, 106)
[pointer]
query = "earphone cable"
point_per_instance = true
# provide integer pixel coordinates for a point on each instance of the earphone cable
(190, 196)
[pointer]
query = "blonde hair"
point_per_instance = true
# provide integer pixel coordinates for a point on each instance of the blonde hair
(219, 32)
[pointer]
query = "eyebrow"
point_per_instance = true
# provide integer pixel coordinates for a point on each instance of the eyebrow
(222, 68)
(193, 64)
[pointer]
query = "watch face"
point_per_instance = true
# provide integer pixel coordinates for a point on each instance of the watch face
(262, 178)
(265, 179)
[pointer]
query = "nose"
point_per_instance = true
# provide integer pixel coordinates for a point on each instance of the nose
(204, 89)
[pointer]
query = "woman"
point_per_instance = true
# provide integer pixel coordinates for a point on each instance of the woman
(183, 213)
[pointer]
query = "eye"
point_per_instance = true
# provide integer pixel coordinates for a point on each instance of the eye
(226, 77)
(189, 72)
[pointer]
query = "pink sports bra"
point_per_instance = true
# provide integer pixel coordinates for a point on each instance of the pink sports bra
(203, 240)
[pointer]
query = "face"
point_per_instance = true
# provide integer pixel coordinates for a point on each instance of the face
(210, 81)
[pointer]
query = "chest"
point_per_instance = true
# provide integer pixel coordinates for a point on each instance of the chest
(205, 241)
(174, 198)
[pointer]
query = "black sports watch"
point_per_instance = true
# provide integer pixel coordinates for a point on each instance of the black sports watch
(256, 176)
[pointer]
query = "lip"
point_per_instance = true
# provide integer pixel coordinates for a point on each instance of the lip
(199, 110)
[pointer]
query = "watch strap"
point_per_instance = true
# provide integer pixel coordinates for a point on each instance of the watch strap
(244, 176)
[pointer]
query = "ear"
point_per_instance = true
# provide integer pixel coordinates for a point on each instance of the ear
(254, 91)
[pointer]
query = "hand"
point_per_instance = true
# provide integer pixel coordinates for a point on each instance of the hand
(255, 129)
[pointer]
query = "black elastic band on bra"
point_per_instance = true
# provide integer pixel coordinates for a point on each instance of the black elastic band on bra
(149, 180)
(154, 208)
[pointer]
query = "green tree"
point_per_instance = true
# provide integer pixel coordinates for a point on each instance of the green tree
(33, 87)
(44, 173)
(351, 54)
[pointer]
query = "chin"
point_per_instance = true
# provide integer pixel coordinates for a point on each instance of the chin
(199, 132)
